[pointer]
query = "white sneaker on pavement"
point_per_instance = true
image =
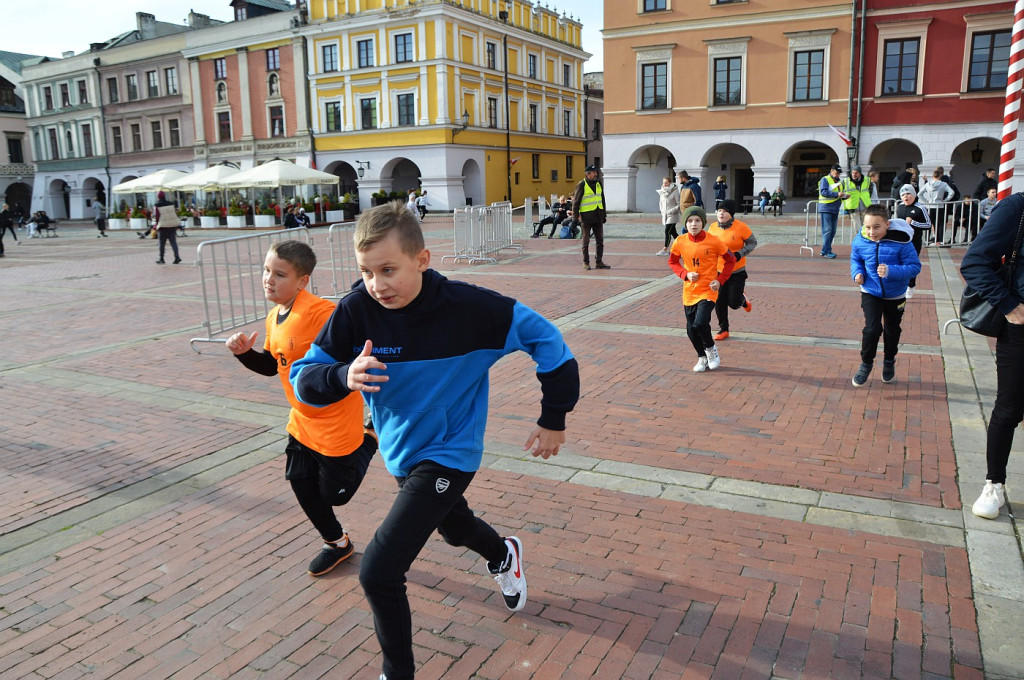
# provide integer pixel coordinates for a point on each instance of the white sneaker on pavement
(714, 361)
(910, 293)
(701, 365)
(992, 498)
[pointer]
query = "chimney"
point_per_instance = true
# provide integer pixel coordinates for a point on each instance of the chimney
(147, 25)
(196, 20)
(65, 55)
(96, 47)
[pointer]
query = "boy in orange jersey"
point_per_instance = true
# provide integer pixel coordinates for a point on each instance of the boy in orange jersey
(704, 263)
(328, 450)
(738, 238)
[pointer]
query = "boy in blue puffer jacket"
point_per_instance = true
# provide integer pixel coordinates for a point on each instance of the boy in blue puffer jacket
(882, 262)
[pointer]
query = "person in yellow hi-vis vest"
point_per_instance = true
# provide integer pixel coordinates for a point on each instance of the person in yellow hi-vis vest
(858, 190)
(588, 208)
(830, 193)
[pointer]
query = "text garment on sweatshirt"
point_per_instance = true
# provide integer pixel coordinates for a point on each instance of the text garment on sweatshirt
(438, 350)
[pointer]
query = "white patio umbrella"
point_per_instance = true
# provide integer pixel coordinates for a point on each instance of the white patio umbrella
(278, 173)
(211, 178)
(154, 181)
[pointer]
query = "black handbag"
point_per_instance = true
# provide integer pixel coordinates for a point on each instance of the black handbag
(978, 314)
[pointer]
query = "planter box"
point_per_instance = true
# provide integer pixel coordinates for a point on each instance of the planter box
(236, 221)
(334, 216)
(139, 223)
(117, 223)
(263, 220)
(209, 222)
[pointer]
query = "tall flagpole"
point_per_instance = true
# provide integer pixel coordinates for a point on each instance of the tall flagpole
(1011, 112)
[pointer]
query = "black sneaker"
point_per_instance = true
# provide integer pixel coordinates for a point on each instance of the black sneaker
(862, 375)
(889, 371)
(330, 556)
(510, 577)
(602, 265)
(586, 266)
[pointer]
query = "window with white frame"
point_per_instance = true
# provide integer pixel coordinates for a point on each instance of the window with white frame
(273, 58)
(531, 68)
(567, 123)
(220, 68)
(329, 57)
(567, 75)
(492, 55)
(653, 75)
(405, 103)
(986, 52)
(654, 5)
(275, 121)
(136, 129)
(492, 112)
(900, 64)
(171, 80)
(87, 149)
(152, 84)
(368, 113)
(403, 48)
(332, 116)
(223, 126)
(533, 117)
(131, 82)
(174, 133)
(83, 92)
(364, 53)
(808, 65)
(158, 135)
(115, 136)
(727, 72)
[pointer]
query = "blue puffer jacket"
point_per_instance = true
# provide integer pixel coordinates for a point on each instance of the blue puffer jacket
(894, 250)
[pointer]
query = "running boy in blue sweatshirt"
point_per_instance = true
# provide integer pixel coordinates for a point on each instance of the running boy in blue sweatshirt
(419, 347)
(882, 262)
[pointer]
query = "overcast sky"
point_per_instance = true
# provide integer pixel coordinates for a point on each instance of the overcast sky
(51, 27)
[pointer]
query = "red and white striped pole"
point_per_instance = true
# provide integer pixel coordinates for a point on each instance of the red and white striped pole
(1011, 112)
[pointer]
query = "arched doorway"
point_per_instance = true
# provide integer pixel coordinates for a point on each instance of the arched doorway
(404, 175)
(970, 160)
(57, 202)
(348, 179)
(93, 191)
(891, 158)
(652, 163)
(735, 163)
(19, 195)
(808, 162)
(473, 183)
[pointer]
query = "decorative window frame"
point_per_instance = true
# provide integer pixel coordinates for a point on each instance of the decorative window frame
(394, 106)
(980, 23)
(649, 55)
(898, 30)
(284, 120)
(375, 98)
(720, 49)
(808, 41)
(320, 56)
(340, 101)
(356, 39)
(393, 37)
(640, 7)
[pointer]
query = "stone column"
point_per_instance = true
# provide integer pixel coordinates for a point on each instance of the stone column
(619, 186)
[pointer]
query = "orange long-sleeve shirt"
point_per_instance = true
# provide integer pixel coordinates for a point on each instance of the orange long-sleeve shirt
(734, 237)
(705, 255)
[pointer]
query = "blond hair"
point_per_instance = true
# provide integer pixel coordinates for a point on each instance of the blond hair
(375, 224)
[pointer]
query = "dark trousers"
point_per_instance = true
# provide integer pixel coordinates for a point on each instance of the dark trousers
(550, 219)
(698, 325)
(882, 319)
(917, 240)
(101, 224)
(938, 218)
(598, 229)
(670, 234)
(321, 482)
(730, 297)
(168, 234)
(1009, 407)
(430, 498)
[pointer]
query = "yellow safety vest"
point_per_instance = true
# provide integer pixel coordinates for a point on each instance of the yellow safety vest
(837, 187)
(860, 196)
(591, 201)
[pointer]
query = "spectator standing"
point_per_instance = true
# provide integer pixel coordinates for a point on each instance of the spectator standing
(167, 223)
(829, 195)
(988, 181)
(873, 176)
(857, 188)
(422, 204)
(909, 210)
(668, 203)
(7, 224)
(100, 217)
(933, 194)
(986, 206)
(693, 184)
(411, 204)
(589, 208)
(994, 243)
(720, 188)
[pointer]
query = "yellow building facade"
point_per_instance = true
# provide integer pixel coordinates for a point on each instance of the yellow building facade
(473, 101)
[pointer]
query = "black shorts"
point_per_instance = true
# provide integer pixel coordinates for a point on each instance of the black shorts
(339, 477)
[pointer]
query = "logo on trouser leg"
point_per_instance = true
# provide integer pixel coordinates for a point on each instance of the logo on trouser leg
(441, 484)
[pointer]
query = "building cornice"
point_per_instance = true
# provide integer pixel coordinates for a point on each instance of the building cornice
(739, 21)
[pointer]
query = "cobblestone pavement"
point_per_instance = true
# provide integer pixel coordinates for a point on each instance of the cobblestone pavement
(764, 520)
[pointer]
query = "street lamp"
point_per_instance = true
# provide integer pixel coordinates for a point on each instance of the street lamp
(976, 153)
(363, 166)
(465, 124)
(851, 154)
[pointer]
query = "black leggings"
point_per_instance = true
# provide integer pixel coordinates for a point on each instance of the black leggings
(698, 325)
(917, 240)
(320, 481)
(730, 297)
(670, 235)
(430, 498)
(1009, 407)
(168, 234)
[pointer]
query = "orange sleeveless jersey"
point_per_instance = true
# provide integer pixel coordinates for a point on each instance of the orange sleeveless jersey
(734, 237)
(702, 257)
(335, 430)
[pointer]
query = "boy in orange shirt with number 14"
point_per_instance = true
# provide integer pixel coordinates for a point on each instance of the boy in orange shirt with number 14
(695, 258)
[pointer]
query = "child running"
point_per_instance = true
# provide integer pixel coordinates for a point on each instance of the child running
(909, 210)
(882, 261)
(419, 347)
(704, 263)
(328, 450)
(738, 238)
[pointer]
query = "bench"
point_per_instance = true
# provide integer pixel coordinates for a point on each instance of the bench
(748, 203)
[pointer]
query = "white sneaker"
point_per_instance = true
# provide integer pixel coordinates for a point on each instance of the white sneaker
(991, 499)
(701, 365)
(714, 361)
(910, 293)
(661, 252)
(511, 579)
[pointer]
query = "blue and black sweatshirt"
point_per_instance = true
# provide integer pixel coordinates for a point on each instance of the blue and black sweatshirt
(438, 350)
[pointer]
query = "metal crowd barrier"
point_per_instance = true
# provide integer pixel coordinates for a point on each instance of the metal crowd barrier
(231, 275)
(481, 232)
(344, 269)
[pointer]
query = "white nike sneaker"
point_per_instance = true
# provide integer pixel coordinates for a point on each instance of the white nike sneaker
(714, 361)
(992, 498)
(701, 365)
(510, 576)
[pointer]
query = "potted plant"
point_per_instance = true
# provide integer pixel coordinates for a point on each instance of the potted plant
(117, 220)
(349, 206)
(208, 218)
(236, 216)
(138, 219)
(263, 216)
